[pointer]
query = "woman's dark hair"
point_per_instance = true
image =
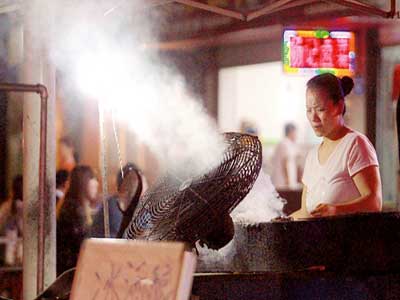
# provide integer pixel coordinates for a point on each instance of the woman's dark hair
(79, 179)
(289, 127)
(61, 178)
(335, 87)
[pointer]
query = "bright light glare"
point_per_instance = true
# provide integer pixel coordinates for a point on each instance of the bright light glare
(115, 80)
(104, 76)
(156, 107)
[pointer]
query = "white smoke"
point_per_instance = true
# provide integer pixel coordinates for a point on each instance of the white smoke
(262, 204)
(98, 46)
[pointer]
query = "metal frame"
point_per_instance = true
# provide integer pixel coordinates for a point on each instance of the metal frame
(214, 9)
(43, 195)
(352, 4)
(280, 5)
(148, 3)
(368, 9)
(276, 7)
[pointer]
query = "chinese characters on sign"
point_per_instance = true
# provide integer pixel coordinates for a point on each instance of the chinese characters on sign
(314, 52)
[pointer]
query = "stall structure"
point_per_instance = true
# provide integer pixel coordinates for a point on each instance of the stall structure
(251, 18)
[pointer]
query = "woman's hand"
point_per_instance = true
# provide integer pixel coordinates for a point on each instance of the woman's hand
(324, 210)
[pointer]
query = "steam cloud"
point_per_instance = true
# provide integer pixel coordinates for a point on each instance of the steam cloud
(261, 205)
(99, 45)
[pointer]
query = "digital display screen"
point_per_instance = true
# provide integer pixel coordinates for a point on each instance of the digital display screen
(314, 52)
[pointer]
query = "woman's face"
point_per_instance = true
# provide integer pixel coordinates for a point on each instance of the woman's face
(92, 189)
(323, 115)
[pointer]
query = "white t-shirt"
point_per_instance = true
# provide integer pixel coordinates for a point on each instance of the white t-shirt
(331, 182)
(285, 151)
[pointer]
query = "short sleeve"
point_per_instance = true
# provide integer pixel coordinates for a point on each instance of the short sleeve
(362, 155)
(307, 169)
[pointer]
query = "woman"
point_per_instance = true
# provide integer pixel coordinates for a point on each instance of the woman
(76, 216)
(341, 175)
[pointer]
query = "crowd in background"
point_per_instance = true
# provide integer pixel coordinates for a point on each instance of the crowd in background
(79, 208)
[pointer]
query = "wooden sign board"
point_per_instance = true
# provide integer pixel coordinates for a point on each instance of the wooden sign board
(115, 269)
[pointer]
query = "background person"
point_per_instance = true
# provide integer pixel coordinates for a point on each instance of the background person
(62, 181)
(66, 156)
(284, 160)
(76, 216)
(11, 211)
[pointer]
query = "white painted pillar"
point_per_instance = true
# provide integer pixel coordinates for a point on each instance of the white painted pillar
(37, 69)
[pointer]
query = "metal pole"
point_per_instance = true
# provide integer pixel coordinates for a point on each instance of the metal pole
(42, 191)
(43, 199)
(103, 167)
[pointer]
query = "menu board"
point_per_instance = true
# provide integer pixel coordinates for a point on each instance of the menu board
(112, 269)
(314, 52)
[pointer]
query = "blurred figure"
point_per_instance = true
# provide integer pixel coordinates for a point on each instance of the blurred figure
(62, 177)
(81, 204)
(131, 184)
(66, 157)
(248, 127)
(11, 223)
(283, 163)
(11, 210)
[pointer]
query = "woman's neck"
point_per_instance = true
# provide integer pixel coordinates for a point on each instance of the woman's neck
(336, 134)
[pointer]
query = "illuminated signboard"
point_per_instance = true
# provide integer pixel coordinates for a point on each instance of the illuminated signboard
(314, 52)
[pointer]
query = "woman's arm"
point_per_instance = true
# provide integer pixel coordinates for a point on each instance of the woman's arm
(368, 183)
(302, 212)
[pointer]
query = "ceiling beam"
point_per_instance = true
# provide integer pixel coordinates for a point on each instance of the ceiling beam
(276, 7)
(230, 38)
(368, 9)
(214, 9)
(143, 4)
(268, 8)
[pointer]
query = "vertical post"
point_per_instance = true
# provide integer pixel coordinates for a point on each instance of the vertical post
(15, 108)
(37, 70)
(103, 168)
(31, 138)
(386, 142)
(49, 80)
(372, 64)
(3, 145)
